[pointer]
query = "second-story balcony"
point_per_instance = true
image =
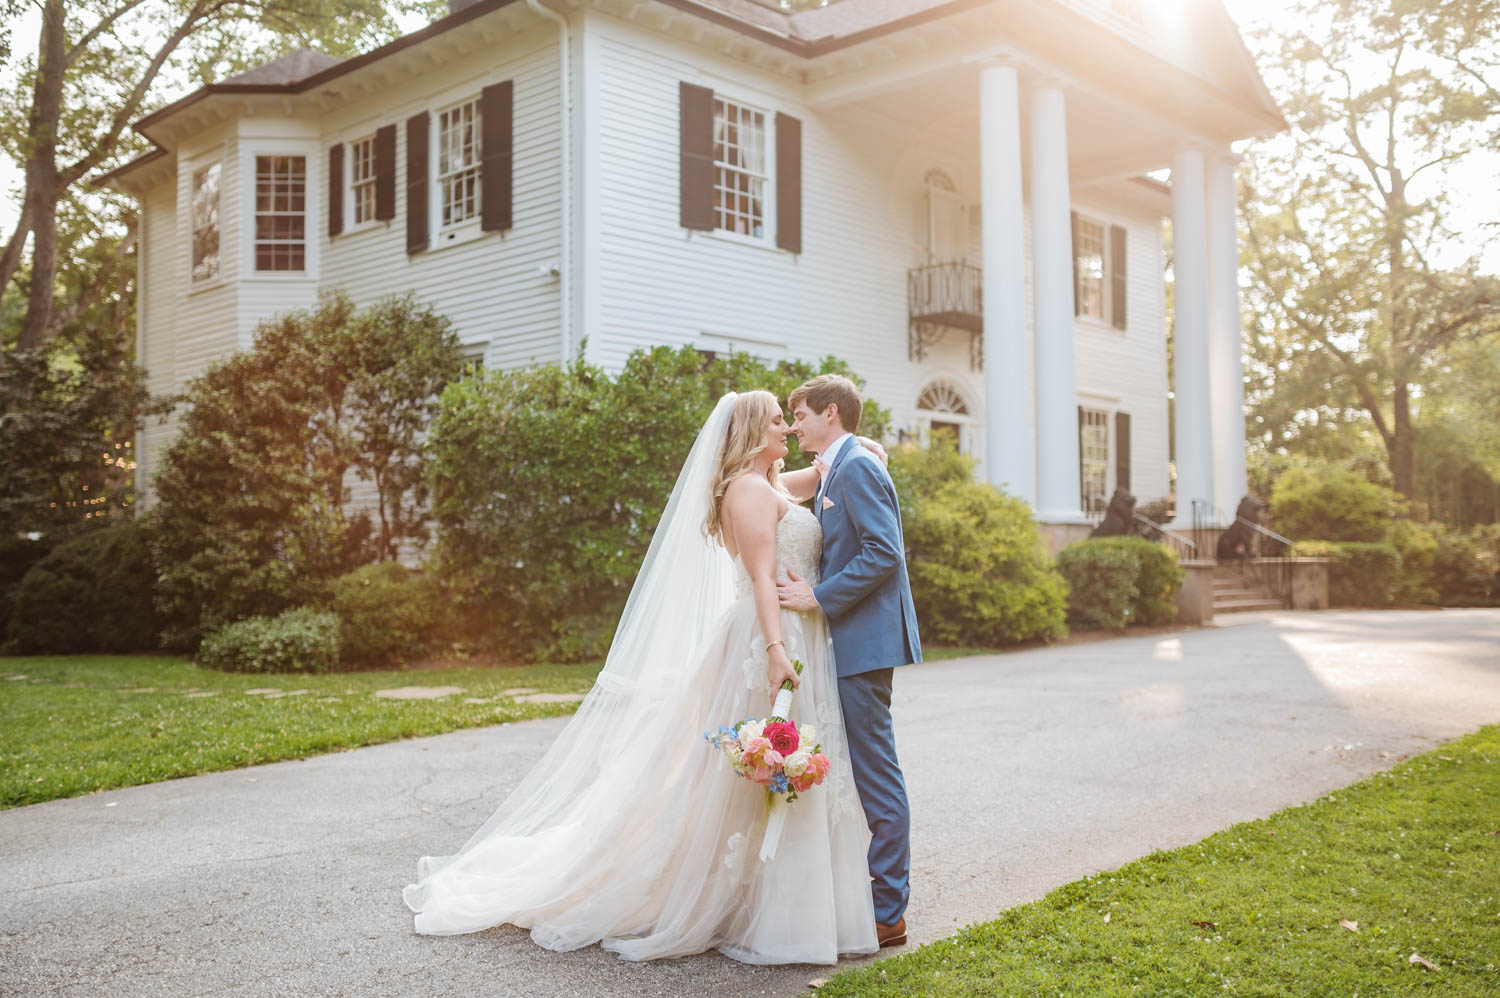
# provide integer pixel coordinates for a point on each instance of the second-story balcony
(942, 297)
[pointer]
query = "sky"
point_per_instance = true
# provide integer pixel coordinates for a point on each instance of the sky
(1473, 185)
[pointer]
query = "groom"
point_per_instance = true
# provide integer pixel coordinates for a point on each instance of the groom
(865, 593)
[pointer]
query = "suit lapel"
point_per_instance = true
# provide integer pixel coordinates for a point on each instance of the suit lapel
(833, 470)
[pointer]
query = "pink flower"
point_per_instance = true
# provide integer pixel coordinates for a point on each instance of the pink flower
(819, 765)
(783, 737)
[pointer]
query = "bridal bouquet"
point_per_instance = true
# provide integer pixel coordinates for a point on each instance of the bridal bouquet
(782, 757)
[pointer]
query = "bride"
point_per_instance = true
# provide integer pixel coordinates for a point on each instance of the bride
(632, 831)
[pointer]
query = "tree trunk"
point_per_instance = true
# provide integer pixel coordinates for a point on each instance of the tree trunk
(1400, 450)
(41, 176)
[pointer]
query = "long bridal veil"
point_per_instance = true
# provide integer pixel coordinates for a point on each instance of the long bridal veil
(604, 760)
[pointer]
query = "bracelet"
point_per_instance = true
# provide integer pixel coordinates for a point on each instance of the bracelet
(773, 644)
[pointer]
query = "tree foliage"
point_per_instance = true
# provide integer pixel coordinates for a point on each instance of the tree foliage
(253, 511)
(548, 483)
(1351, 313)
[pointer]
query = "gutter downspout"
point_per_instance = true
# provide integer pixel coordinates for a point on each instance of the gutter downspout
(565, 171)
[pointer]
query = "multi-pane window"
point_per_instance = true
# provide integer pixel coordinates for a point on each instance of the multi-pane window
(1093, 453)
(458, 162)
(362, 178)
(206, 223)
(740, 162)
(280, 212)
(1090, 267)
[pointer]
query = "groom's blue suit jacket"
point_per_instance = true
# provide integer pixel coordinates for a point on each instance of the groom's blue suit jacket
(864, 588)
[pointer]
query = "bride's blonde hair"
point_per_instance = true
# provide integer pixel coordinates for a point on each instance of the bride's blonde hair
(747, 435)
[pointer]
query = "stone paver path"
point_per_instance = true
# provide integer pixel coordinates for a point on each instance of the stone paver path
(1026, 771)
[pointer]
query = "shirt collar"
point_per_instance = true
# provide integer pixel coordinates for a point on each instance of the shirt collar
(834, 448)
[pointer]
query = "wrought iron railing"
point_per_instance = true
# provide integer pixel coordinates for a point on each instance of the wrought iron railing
(944, 296)
(1268, 562)
(1181, 546)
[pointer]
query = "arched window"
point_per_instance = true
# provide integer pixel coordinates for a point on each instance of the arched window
(947, 225)
(943, 411)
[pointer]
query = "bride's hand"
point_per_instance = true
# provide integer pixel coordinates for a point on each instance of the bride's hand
(779, 670)
(873, 446)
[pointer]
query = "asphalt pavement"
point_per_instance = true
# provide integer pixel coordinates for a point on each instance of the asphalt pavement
(1026, 771)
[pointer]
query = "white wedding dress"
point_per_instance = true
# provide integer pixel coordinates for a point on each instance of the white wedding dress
(655, 853)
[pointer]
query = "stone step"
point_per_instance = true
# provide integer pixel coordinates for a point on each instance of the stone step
(1243, 605)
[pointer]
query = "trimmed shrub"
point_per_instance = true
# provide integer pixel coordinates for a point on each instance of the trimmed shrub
(254, 509)
(1332, 504)
(1101, 584)
(17, 555)
(547, 484)
(979, 574)
(1158, 579)
(1466, 567)
(1361, 574)
(303, 639)
(386, 613)
(1418, 546)
(91, 593)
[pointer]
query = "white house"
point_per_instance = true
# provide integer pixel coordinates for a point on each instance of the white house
(949, 194)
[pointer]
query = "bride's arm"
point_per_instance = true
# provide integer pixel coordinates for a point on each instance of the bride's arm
(753, 511)
(802, 484)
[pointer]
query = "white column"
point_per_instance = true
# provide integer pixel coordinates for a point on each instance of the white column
(1227, 386)
(1008, 441)
(1057, 484)
(1190, 382)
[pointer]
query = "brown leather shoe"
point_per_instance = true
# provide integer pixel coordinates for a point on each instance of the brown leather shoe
(891, 935)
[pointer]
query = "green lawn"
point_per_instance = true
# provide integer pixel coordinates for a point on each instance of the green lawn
(76, 724)
(1411, 857)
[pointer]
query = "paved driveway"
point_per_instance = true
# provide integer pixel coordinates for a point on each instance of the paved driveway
(1026, 771)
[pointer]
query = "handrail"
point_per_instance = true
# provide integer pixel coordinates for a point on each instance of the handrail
(1180, 539)
(1265, 530)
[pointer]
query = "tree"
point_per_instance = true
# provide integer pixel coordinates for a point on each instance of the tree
(254, 510)
(98, 65)
(68, 414)
(1343, 236)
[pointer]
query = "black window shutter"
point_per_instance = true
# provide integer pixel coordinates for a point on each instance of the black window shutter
(496, 112)
(335, 189)
(697, 145)
(1122, 451)
(1077, 297)
(385, 173)
(788, 183)
(1117, 276)
(416, 183)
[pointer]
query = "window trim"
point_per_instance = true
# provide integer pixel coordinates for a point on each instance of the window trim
(1105, 295)
(215, 279)
(316, 178)
(1106, 416)
(438, 234)
(767, 239)
(347, 185)
(970, 425)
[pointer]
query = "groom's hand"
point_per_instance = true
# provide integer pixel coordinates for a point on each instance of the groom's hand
(796, 594)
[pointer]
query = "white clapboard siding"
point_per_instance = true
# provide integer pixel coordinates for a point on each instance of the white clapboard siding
(1126, 370)
(493, 289)
(845, 294)
(159, 287)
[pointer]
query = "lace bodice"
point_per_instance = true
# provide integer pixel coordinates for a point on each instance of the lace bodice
(799, 546)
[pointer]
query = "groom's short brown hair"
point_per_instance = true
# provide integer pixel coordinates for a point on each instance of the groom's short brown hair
(826, 390)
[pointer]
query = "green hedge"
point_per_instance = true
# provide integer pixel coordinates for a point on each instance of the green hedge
(1466, 566)
(1361, 574)
(386, 613)
(1119, 581)
(303, 639)
(548, 482)
(91, 593)
(979, 574)
(1332, 504)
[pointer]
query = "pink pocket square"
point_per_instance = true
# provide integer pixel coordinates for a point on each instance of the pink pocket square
(827, 503)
